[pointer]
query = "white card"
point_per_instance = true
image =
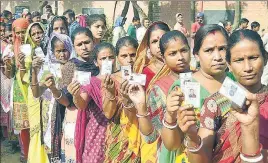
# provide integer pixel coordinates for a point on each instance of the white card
(107, 67)
(82, 77)
(184, 78)
(56, 70)
(192, 94)
(39, 53)
(233, 91)
(26, 49)
(8, 51)
(126, 72)
(137, 79)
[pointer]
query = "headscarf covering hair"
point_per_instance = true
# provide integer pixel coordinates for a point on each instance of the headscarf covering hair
(51, 24)
(18, 23)
(118, 21)
(83, 21)
(28, 38)
(67, 44)
(142, 58)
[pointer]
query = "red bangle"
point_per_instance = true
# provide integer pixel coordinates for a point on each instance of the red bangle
(255, 154)
(171, 124)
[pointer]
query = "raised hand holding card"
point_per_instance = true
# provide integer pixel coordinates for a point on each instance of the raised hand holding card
(192, 94)
(126, 72)
(234, 92)
(137, 79)
(82, 77)
(184, 78)
(39, 53)
(107, 67)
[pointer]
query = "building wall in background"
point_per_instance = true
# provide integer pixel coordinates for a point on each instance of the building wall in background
(253, 10)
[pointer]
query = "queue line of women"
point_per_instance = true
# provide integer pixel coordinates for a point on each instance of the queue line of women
(110, 120)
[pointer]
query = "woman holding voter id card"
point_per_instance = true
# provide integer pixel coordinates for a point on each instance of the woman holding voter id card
(229, 130)
(20, 88)
(123, 126)
(176, 54)
(91, 121)
(204, 82)
(34, 36)
(48, 83)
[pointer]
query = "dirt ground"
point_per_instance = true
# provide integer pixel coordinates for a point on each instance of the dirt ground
(7, 157)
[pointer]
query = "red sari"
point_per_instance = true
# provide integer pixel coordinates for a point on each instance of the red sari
(228, 140)
(149, 76)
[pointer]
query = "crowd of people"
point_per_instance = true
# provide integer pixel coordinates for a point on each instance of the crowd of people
(52, 117)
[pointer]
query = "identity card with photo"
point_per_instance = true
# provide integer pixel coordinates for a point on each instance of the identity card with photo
(235, 93)
(137, 79)
(192, 94)
(126, 72)
(82, 77)
(184, 78)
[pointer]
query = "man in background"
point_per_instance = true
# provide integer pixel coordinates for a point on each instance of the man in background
(179, 25)
(36, 16)
(228, 27)
(255, 26)
(141, 31)
(73, 24)
(243, 24)
(131, 31)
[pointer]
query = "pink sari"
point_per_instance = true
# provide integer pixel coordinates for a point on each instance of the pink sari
(91, 126)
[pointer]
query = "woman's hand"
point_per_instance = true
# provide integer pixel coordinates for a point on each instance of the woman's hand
(137, 95)
(74, 88)
(108, 84)
(174, 101)
(22, 60)
(50, 82)
(124, 87)
(37, 63)
(7, 61)
(252, 106)
(187, 120)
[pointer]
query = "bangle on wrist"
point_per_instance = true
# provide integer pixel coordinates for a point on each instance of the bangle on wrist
(22, 69)
(167, 125)
(250, 159)
(143, 116)
(193, 149)
(34, 84)
(57, 98)
(255, 154)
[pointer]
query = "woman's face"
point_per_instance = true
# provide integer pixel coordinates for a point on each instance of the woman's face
(20, 33)
(212, 54)
(9, 37)
(98, 29)
(83, 46)
(177, 55)
(59, 27)
(247, 63)
(36, 34)
(154, 42)
(61, 53)
(127, 55)
(104, 54)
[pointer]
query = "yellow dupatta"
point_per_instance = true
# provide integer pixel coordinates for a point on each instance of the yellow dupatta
(28, 40)
(142, 58)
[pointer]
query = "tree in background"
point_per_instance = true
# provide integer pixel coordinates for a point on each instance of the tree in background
(237, 16)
